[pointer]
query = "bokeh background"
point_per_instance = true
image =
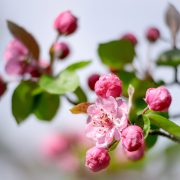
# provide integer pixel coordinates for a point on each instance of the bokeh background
(99, 21)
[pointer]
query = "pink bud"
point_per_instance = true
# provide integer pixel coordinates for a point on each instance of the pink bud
(61, 50)
(130, 37)
(65, 23)
(92, 80)
(97, 159)
(3, 86)
(135, 155)
(108, 85)
(16, 51)
(152, 34)
(132, 138)
(54, 145)
(158, 99)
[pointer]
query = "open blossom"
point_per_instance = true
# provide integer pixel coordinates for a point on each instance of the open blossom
(97, 159)
(132, 138)
(15, 51)
(54, 145)
(65, 23)
(15, 67)
(108, 85)
(69, 162)
(158, 99)
(107, 118)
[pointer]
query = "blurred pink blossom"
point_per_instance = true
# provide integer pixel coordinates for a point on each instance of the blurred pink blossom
(15, 51)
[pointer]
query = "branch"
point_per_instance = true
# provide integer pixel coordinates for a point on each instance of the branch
(160, 133)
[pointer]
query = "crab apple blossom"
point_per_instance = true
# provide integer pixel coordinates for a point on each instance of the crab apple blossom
(92, 80)
(107, 118)
(97, 159)
(152, 34)
(135, 155)
(3, 86)
(69, 162)
(130, 37)
(158, 99)
(54, 145)
(108, 85)
(15, 51)
(61, 50)
(14, 67)
(65, 23)
(132, 138)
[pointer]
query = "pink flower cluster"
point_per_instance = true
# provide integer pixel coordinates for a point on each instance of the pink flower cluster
(63, 149)
(19, 62)
(108, 122)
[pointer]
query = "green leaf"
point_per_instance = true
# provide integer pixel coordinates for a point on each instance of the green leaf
(22, 101)
(67, 81)
(25, 37)
(46, 106)
(169, 58)
(81, 96)
(164, 123)
(146, 127)
(78, 65)
(151, 141)
(116, 53)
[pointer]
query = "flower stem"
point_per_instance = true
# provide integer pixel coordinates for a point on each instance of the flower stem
(146, 109)
(160, 133)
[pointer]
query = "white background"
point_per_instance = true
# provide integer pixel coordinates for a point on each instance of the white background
(99, 21)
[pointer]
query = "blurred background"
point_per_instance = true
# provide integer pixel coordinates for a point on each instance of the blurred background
(99, 21)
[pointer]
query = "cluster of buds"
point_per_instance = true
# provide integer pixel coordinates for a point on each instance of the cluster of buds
(65, 24)
(19, 61)
(108, 122)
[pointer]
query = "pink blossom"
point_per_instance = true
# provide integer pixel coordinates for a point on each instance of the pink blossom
(135, 155)
(108, 85)
(3, 86)
(65, 23)
(158, 99)
(15, 51)
(14, 67)
(153, 34)
(97, 159)
(132, 138)
(69, 162)
(54, 145)
(107, 118)
(130, 37)
(61, 50)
